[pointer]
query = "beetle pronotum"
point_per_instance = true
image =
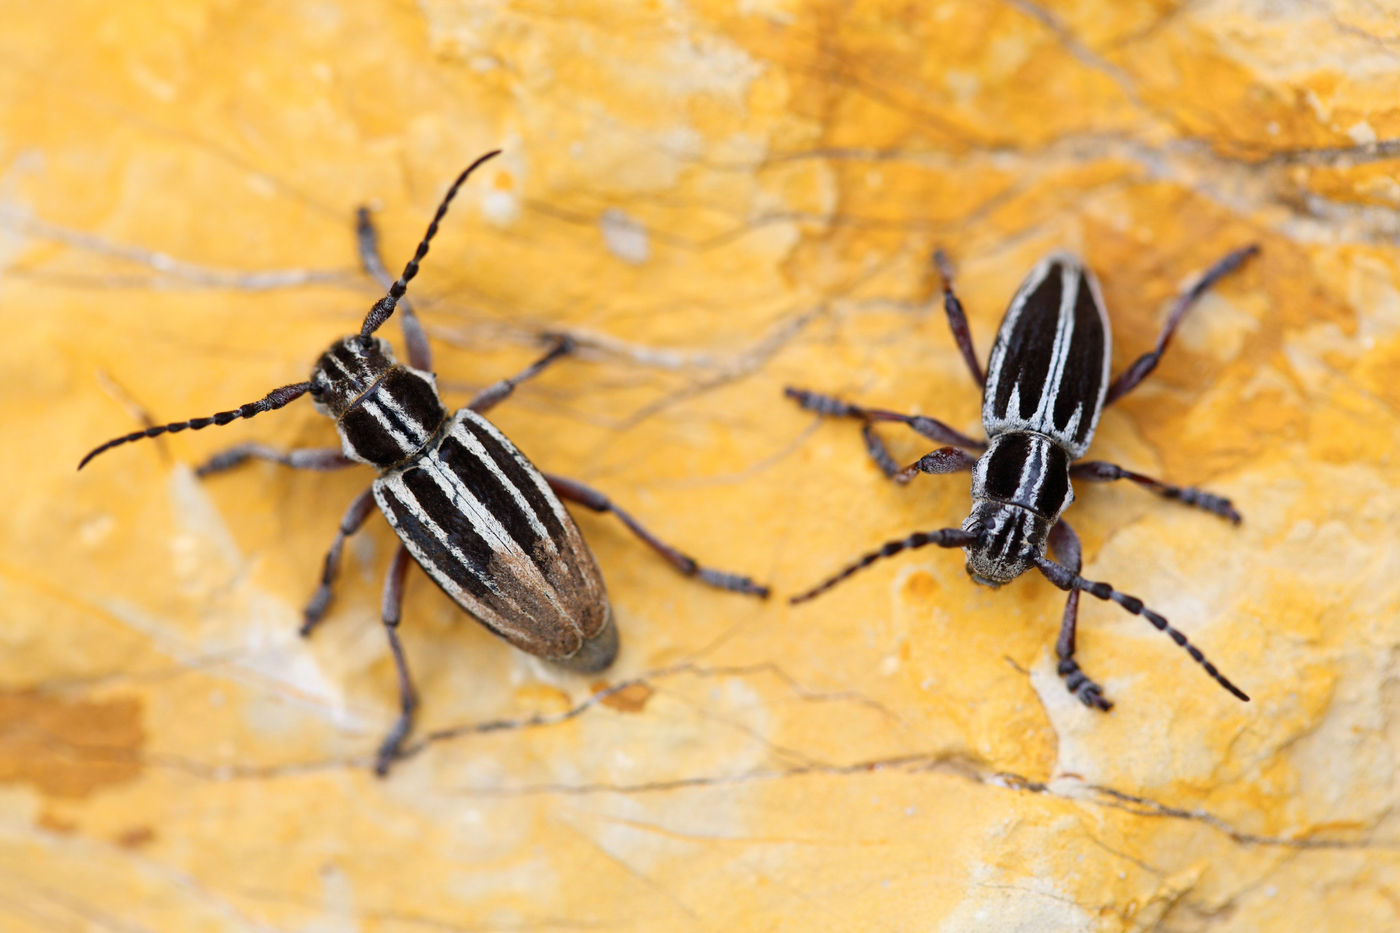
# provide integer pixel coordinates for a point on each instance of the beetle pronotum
(476, 515)
(1046, 383)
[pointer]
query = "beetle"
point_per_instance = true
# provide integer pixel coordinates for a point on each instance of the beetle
(1046, 383)
(482, 521)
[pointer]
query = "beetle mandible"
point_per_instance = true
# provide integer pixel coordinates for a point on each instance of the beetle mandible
(1047, 381)
(480, 519)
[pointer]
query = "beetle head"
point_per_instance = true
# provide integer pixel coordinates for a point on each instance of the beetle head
(347, 370)
(1008, 538)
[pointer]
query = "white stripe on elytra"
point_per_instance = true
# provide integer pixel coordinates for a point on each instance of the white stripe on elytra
(489, 614)
(530, 469)
(995, 370)
(394, 486)
(465, 437)
(580, 564)
(1044, 417)
(486, 524)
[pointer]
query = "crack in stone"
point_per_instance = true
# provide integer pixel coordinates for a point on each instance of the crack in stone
(951, 762)
(1086, 56)
(178, 270)
(1145, 806)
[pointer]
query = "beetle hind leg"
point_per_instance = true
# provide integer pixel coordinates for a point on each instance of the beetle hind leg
(1130, 378)
(574, 491)
(408, 696)
(957, 319)
(1067, 549)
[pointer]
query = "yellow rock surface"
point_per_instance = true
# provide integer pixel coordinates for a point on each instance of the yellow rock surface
(718, 200)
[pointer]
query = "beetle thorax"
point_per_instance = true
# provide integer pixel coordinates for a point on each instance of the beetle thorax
(1026, 469)
(1020, 486)
(384, 411)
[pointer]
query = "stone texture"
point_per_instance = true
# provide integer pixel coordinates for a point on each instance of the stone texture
(718, 200)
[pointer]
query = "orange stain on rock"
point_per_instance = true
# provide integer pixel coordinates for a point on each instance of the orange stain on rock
(69, 748)
(629, 699)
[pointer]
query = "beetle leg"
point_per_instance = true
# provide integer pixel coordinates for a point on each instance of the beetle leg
(1144, 364)
(942, 460)
(1099, 471)
(353, 520)
(420, 354)
(875, 447)
(408, 696)
(930, 428)
(497, 391)
(957, 320)
(574, 491)
(304, 458)
(1067, 549)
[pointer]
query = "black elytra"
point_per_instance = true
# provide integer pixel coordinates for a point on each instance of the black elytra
(1046, 384)
(484, 523)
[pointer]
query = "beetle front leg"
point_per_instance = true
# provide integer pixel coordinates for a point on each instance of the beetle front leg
(1067, 549)
(942, 460)
(408, 696)
(1100, 471)
(303, 458)
(353, 520)
(574, 491)
(496, 392)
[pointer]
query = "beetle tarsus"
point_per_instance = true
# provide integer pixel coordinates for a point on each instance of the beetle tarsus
(1080, 686)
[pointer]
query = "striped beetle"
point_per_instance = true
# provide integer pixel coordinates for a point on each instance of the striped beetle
(481, 520)
(1047, 382)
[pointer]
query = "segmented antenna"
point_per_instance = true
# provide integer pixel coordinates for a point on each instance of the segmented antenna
(384, 307)
(1067, 579)
(944, 537)
(274, 400)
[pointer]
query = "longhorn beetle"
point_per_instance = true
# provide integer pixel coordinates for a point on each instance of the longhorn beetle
(1046, 383)
(478, 517)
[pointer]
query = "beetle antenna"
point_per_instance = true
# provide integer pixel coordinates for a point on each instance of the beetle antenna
(944, 537)
(1067, 579)
(274, 400)
(385, 306)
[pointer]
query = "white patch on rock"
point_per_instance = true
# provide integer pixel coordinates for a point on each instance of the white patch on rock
(625, 237)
